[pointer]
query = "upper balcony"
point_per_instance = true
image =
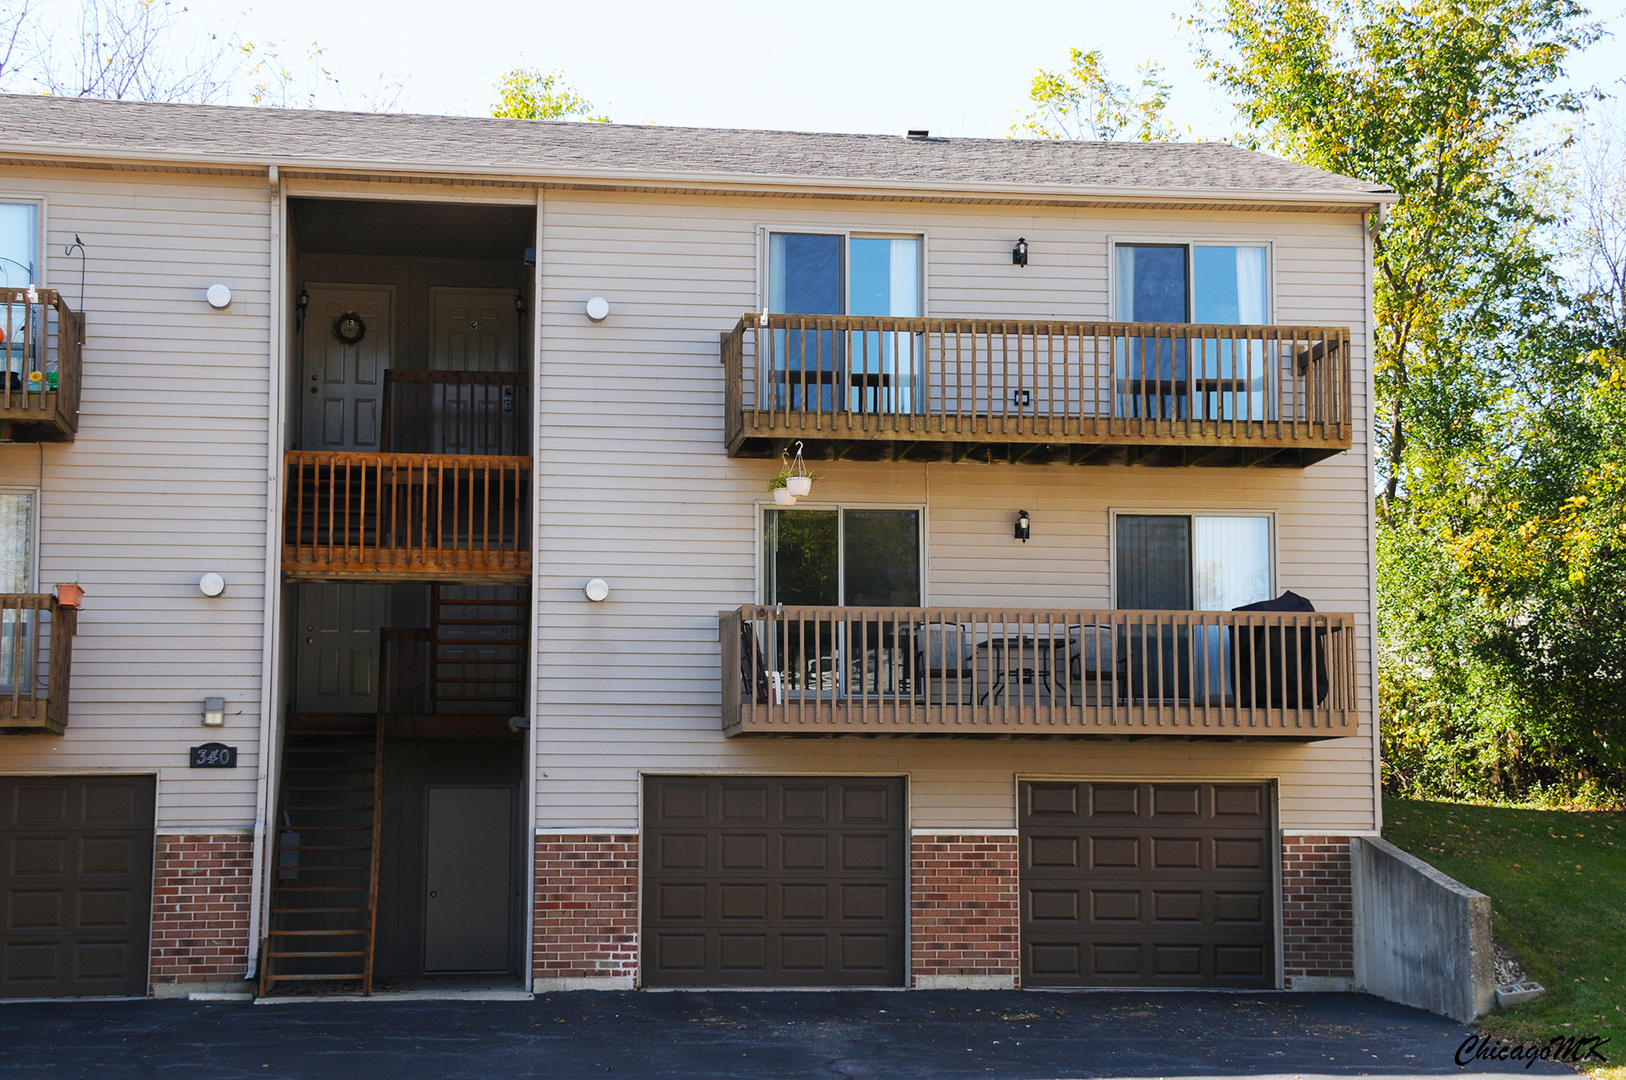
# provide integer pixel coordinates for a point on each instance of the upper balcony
(447, 495)
(36, 662)
(43, 342)
(1017, 391)
(827, 671)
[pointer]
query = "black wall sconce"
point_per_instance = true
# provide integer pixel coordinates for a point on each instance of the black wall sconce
(1019, 253)
(301, 302)
(519, 304)
(1024, 526)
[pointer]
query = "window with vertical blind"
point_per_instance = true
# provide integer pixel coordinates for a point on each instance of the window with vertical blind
(1191, 562)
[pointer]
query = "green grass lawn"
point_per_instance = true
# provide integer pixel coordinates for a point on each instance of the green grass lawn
(1557, 883)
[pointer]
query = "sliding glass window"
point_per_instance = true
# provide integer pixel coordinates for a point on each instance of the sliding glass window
(853, 557)
(817, 365)
(1195, 562)
(1213, 374)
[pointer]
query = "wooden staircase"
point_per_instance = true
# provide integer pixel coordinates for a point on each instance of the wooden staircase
(477, 647)
(324, 896)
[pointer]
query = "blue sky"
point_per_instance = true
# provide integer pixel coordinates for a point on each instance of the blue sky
(954, 67)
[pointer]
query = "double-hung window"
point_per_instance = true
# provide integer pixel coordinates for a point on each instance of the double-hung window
(1210, 374)
(17, 625)
(1189, 562)
(817, 365)
(857, 557)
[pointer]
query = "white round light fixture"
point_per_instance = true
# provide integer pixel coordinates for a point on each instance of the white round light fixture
(597, 590)
(212, 584)
(598, 309)
(219, 297)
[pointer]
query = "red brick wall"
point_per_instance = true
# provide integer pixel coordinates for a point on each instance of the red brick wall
(586, 914)
(1318, 914)
(200, 899)
(965, 903)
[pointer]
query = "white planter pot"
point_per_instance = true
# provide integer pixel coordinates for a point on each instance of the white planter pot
(799, 486)
(783, 497)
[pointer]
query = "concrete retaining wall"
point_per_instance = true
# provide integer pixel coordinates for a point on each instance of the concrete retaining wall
(1421, 938)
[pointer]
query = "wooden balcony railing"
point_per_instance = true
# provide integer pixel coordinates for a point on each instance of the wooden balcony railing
(456, 412)
(948, 671)
(1084, 393)
(42, 343)
(382, 517)
(36, 662)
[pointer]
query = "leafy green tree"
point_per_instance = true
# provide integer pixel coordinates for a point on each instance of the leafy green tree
(530, 94)
(1432, 98)
(1501, 386)
(1082, 102)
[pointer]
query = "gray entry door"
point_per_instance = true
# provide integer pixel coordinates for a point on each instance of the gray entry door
(343, 384)
(468, 863)
(337, 654)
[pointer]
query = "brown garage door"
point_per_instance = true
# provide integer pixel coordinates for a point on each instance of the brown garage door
(773, 881)
(1147, 885)
(75, 885)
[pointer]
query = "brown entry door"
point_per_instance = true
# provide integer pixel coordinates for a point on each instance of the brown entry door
(773, 881)
(75, 885)
(1147, 884)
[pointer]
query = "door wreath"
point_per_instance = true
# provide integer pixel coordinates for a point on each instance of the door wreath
(349, 328)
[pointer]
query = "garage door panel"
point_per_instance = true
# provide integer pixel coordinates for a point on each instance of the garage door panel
(1175, 886)
(1174, 801)
(807, 804)
(40, 803)
(76, 878)
(748, 851)
(812, 895)
(745, 803)
(677, 851)
(1052, 800)
(866, 805)
(38, 856)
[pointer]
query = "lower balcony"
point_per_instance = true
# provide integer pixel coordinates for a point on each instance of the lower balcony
(36, 663)
(356, 516)
(951, 671)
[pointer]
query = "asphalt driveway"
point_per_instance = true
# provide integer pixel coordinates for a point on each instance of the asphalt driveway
(943, 1034)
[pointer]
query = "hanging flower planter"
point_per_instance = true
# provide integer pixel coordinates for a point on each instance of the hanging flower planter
(793, 481)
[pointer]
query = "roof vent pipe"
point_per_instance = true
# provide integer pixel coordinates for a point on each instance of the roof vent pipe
(917, 133)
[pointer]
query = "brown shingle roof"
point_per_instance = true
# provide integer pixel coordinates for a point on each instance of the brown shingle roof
(393, 141)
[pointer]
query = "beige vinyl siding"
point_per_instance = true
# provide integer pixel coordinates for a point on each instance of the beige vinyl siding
(636, 488)
(166, 482)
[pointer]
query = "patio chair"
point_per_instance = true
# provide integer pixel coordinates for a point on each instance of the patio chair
(943, 655)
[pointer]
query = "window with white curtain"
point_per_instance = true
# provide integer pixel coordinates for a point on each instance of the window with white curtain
(1192, 562)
